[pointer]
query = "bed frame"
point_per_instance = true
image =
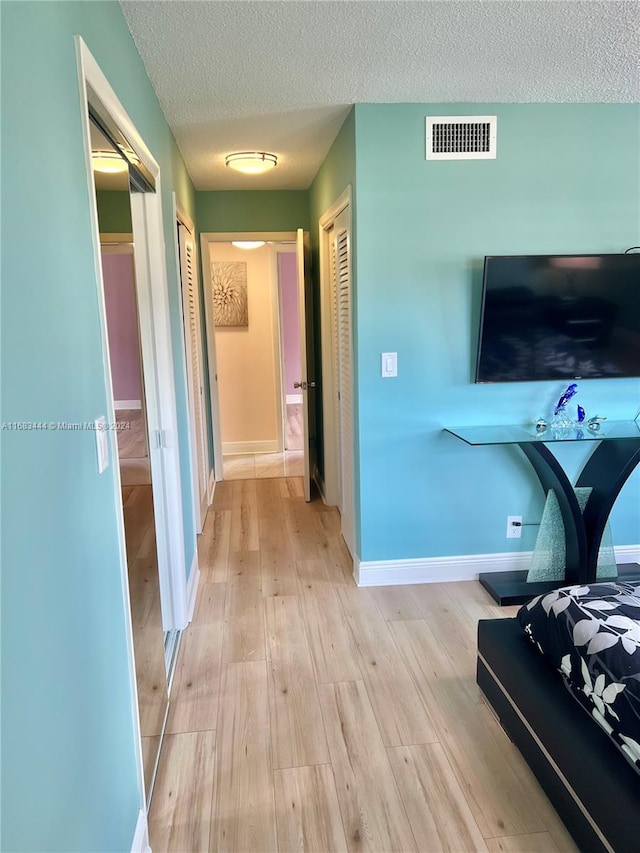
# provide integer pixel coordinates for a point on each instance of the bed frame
(594, 789)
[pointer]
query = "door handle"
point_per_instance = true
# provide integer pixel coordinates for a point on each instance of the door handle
(304, 385)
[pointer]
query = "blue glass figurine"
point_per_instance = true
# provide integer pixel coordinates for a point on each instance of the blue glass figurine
(571, 391)
(581, 415)
(561, 419)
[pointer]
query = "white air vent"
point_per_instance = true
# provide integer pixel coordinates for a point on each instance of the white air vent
(461, 137)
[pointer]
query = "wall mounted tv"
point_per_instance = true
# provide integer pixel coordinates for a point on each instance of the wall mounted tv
(548, 317)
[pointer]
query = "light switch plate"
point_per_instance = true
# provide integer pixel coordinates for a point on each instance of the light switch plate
(389, 363)
(102, 444)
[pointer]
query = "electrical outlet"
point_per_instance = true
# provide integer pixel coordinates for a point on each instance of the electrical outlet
(514, 526)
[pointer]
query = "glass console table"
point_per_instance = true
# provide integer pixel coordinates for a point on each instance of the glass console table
(616, 452)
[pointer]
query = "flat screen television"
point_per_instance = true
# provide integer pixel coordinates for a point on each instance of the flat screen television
(567, 317)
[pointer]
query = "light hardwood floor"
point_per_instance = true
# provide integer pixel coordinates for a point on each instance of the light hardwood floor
(309, 715)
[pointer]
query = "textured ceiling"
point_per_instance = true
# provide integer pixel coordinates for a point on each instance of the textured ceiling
(280, 76)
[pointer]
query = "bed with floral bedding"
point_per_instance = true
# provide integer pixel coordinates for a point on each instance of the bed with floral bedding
(591, 635)
(563, 678)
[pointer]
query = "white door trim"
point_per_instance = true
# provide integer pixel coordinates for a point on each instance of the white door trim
(329, 412)
(206, 239)
(146, 212)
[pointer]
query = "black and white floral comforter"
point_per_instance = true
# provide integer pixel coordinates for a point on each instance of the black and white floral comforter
(591, 634)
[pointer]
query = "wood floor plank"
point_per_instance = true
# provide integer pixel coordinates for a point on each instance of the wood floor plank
(215, 546)
(277, 564)
(291, 487)
(209, 609)
(502, 799)
(194, 695)
(438, 812)
(400, 711)
(244, 622)
(244, 517)
(243, 816)
(307, 811)
(269, 499)
(223, 496)
(396, 603)
(539, 842)
(372, 812)
(305, 530)
(243, 565)
(330, 642)
(297, 732)
(336, 555)
(180, 815)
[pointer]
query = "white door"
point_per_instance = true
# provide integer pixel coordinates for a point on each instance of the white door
(341, 298)
(193, 346)
(306, 383)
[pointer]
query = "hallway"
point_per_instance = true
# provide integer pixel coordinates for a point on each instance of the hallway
(308, 714)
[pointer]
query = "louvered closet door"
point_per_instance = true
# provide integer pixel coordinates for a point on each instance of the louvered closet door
(193, 345)
(344, 384)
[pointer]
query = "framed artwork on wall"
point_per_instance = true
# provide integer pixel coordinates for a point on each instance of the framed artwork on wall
(229, 293)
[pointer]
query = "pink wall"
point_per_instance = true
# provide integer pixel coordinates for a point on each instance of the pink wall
(122, 326)
(288, 271)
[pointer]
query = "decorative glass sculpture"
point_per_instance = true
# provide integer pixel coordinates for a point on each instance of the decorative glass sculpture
(549, 554)
(562, 420)
(594, 422)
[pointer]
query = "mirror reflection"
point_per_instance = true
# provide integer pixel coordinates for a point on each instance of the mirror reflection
(127, 382)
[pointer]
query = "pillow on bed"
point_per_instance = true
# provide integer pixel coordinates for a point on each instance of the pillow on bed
(591, 635)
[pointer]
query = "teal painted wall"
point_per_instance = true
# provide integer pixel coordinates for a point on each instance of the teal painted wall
(252, 210)
(566, 180)
(68, 751)
(337, 172)
(114, 211)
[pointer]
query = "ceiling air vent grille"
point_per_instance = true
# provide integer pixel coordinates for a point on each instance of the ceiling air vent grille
(461, 137)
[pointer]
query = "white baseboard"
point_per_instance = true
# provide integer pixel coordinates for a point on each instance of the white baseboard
(212, 486)
(233, 448)
(463, 568)
(127, 404)
(140, 842)
(192, 587)
(627, 553)
(436, 569)
(294, 398)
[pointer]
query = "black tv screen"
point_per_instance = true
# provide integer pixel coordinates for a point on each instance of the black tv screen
(550, 317)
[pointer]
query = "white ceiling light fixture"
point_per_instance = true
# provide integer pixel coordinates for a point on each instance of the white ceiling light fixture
(251, 162)
(247, 244)
(108, 161)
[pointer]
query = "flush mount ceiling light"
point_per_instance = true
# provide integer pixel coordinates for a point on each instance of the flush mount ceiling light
(251, 162)
(247, 244)
(108, 161)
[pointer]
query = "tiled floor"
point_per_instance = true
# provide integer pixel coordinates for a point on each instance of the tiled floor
(135, 468)
(266, 465)
(261, 465)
